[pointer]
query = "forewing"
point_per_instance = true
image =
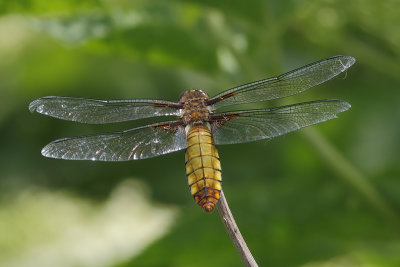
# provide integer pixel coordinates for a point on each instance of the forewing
(252, 125)
(287, 84)
(98, 111)
(139, 143)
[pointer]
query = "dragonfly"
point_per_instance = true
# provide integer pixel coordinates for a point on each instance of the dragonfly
(198, 126)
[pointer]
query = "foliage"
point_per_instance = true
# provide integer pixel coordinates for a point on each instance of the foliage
(329, 195)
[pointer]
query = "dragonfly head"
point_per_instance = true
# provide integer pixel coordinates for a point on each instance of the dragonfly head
(193, 94)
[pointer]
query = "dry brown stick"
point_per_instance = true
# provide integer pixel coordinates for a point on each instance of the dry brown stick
(234, 233)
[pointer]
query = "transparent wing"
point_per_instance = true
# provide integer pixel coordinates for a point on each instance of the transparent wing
(139, 143)
(287, 84)
(98, 111)
(252, 125)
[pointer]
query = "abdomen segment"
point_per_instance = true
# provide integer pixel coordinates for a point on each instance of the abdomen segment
(203, 168)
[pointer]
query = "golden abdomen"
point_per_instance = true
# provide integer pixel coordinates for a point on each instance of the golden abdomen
(203, 168)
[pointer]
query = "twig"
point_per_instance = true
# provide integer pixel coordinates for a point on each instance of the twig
(234, 233)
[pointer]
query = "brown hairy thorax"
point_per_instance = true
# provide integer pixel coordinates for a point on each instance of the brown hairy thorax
(194, 106)
(192, 94)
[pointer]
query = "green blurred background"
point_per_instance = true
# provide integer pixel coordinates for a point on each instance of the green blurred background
(328, 195)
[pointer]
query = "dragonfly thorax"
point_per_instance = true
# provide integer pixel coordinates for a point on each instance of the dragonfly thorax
(195, 109)
(193, 94)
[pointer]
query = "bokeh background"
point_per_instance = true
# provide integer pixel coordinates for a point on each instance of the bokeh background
(328, 195)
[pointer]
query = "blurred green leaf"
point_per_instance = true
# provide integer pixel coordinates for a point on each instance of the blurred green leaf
(45, 7)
